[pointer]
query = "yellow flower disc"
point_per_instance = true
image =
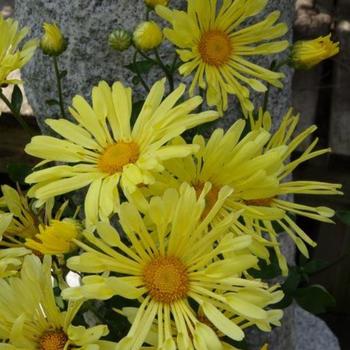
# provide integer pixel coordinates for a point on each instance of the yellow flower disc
(116, 156)
(215, 48)
(166, 278)
(53, 340)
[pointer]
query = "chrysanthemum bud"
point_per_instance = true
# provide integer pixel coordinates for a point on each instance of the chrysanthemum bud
(154, 3)
(148, 35)
(308, 53)
(120, 40)
(52, 42)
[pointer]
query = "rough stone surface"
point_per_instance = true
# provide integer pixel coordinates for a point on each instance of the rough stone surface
(89, 60)
(311, 333)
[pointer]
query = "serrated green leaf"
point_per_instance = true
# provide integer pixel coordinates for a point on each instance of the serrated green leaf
(140, 67)
(313, 266)
(18, 172)
(52, 102)
(292, 282)
(17, 99)
(267, 270)
(344, 216)
(315, 299)
(63, 74)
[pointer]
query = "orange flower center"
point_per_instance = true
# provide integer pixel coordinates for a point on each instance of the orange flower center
(215, 47)
(53, 340)
(210, 198)
(116, 156)
(166, 279)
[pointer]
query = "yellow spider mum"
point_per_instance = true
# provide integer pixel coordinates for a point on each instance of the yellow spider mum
(56, 238)
(31, 320)
(257, 169)
(53, 42)
(226, 159)
(11, 57)
(262, 298)
(179, 261)
(309, 53)
(22, 226)
(281, 201)
(212, 44)
(106, 151)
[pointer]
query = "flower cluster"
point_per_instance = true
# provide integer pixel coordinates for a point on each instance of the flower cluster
(173, 226)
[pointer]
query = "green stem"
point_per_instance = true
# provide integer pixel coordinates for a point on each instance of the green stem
(165, 70)
(59, 86)
(144, 84)
(173, 65)
(148, 10)
(17, 115)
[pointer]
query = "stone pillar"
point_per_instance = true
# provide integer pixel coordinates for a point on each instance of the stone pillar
(88, 60)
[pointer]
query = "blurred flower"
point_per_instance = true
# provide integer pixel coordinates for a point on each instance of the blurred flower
(120, 40)
(308, 53)
(215, 48)
(56, 238)
(181, 263)
(154, 3)
(11, 57)
(148, 35)
(106, 151)
(30, 318)
(25, 229)
(53, 42)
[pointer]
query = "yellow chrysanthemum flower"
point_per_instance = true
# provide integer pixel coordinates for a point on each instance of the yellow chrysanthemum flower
(256, 210)
(257, 169)
(212, 44)
(226, 159)
(109, 152)
(53, 42)
(148, 35)
(309, 53)
(179, 261)
(11, 57)
(154, 3)
(56, 238)
(31, 320)
(11, 260)
(262, 298)
(22, 226)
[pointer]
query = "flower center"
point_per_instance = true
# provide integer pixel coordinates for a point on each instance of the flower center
(215, 47)
(264, 202)
(53, 340)
(210, 198)
(116, 156)
(166, 279)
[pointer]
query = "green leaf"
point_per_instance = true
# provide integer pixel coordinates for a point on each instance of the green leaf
(63, 74)
(292, 282)
(18, 172)
(267, 270)
(140, 67)
(52, 102)
(315, 299)
(314, 266)
(135, 80)
(17, 99)
(344, 216)
(136, 109)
